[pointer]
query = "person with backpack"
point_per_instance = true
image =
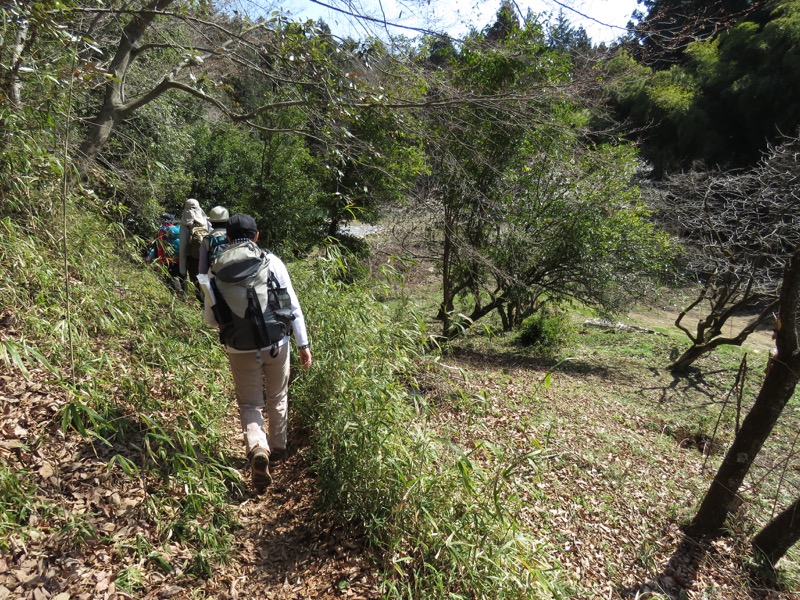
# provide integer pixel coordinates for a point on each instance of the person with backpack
(165, 250)
(193, 230)
(216, 241)
(249, 296)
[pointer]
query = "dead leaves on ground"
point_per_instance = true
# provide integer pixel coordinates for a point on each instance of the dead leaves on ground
(605, 497)
(81, 538)
(608, 492)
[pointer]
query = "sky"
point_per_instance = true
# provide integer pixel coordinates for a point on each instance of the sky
(603, 20)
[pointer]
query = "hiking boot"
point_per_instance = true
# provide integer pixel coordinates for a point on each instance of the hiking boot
(259, 465)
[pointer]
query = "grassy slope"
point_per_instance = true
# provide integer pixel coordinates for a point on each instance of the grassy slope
(621, 463)
(113, 384)
(596, 462)
(121, 463)
(119, 472)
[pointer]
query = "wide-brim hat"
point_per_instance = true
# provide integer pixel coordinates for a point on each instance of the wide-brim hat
(218, 215)
(193, 214)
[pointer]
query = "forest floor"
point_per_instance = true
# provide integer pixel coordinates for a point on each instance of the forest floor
(611, 479)
(619, 467)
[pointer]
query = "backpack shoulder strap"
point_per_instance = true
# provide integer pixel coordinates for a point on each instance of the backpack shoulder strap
(221, 309)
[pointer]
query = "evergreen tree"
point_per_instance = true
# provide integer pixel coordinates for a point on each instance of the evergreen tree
(564, 36)
(527, 210)
(719, 101)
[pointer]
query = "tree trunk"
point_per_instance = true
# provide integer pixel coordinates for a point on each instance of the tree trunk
(97, 135)
(446, 308)
(777, 389)
(113, 110)
(685, 360)
(779, 535)
(15, 92)
(715, 339)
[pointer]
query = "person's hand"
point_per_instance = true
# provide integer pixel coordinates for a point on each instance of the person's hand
(305, 357)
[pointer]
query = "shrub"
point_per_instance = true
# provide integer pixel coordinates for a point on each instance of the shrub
(545, 332)
(445, 521)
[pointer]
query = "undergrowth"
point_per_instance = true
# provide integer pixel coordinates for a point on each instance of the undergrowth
(141, 375)
(445, 525)
(614, 409)
(146, 385)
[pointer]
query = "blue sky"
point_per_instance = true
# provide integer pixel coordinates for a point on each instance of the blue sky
(603, 20)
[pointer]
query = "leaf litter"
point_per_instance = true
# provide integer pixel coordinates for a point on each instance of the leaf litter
(283, 548)
(612, 488)
(607, 497)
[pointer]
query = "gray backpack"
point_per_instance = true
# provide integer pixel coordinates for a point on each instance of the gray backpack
(252, 310)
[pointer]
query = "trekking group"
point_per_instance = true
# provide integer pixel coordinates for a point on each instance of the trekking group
(248, 295)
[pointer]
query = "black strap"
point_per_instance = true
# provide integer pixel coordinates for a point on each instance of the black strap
(257, 317)
(272, 281)
(222, 311)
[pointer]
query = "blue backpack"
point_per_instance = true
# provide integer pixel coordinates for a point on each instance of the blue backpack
(217, 244)
(167, 243)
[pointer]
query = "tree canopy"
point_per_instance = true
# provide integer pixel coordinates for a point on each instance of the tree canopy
(717, 94)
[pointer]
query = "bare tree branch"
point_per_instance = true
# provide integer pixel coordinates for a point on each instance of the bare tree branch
(739, 230)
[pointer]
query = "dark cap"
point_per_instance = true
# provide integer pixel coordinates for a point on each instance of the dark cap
(242, 226)
(168, 218)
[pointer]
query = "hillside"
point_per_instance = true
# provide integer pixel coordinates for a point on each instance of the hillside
(621, 463)
(457, 215)
(608, 489)
(283, 548)
(599, 454)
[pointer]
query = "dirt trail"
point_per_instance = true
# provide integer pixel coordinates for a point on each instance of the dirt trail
(285, 549)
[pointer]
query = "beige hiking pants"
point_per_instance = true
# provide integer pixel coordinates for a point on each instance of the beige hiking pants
(262, 379)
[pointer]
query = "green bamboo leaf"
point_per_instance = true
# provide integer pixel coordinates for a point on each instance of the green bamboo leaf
(127, 466)
(15, 358)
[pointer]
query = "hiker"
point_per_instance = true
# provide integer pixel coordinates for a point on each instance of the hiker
(216, 241)
(194, 228)
(165, 250)
(249, 296)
